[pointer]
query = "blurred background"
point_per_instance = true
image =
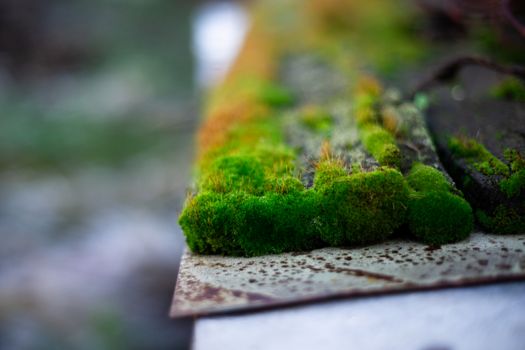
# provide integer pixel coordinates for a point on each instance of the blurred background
(99, 100)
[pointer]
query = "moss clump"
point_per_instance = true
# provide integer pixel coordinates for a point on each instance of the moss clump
(435, 214)
(211, 222)
(377, 140)
(361, 208)
(381, 144)
(510, 89)
(327, 171)
(439, 217)
(276, 223)
(424, 178)
(238, 223)
(340, 209)
(511, 182)
(250, 200)
(503, 220)
(478, 156)
(515, 183)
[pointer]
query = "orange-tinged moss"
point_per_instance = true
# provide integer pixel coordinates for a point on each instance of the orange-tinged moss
(256, 58)
(214, 132)
(370, 86)
(390, 121)
(332, 15)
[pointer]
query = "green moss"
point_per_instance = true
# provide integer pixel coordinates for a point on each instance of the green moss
(283, 184)
(234, 173)
(356, 168)
(425, 178)
(250, 200)
(478, 156)
(346, 209)
(515, 159)
(362, 208)
(316, 119)
(264, 91)
(277, 160)
(275, 95)
(326, 172)
(276, 223)
(364, 101)
(211, 222)
(435, 214)
(513, 185)
(439, 217)
(510, 89)
(482, 160)
(503, 220)
(381, 144)
(241, 224)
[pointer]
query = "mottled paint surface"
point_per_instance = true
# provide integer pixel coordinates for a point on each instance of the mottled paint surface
(216, 284)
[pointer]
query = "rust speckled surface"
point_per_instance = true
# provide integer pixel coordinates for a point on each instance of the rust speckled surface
(209, 285)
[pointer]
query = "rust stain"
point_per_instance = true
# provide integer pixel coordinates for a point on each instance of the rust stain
(206, 292)
(363, 273)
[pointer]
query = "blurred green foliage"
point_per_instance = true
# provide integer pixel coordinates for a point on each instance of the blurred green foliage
(51, 117)
(45, 143)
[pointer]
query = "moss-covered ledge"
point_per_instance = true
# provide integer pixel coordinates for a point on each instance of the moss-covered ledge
(288, 163)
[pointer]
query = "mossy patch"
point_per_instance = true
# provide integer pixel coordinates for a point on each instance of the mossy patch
(378, 141)
(277, 223)
(424, 178)
(439, 217)
(478, 156)
(510, 89)
(211, 221)
(327, 171)
(510, 179)
(249, 198)
(436, 215)
(362, 208)
(234, 173)
(381, 144)
(341, 209)
(513, 174)
(503, 220)
(513, 185)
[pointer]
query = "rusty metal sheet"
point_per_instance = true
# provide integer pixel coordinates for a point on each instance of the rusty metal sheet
(209, 285)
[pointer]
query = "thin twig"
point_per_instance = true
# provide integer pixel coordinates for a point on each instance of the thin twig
(450, 70)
